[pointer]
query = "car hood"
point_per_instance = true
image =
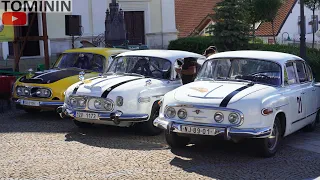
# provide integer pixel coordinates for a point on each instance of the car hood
(102, 86)
(49, 76)
(216, 93)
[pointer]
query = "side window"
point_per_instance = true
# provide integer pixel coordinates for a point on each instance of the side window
(301, 72)
(290, 74)
(309, 73)
(98, 63)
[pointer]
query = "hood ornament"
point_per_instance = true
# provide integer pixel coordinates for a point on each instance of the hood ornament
(81, 76)
(148, 82)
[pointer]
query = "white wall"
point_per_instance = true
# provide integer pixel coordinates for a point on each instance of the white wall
(291, 25)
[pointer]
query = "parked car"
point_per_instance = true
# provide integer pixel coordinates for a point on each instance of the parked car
(128, 93)
(44, 90)
(243, 94)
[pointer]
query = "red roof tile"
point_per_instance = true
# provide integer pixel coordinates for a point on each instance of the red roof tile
(265, 28)
(189, 13)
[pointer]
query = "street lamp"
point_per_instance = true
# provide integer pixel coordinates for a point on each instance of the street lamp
(303, 31)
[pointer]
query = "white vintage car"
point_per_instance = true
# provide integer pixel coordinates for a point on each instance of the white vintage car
(243, 94)
(128, 93)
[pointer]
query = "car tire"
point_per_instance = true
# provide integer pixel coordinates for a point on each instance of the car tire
(30, 110)
(175, 141)
(148, 127)
(82, 124)
(312, 126)
(269, 146)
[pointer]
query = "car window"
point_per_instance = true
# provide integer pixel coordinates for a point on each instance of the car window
(309, 73)
(301, 72)
(290, 74)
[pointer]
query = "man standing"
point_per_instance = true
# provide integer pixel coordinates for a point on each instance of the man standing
(188, 71)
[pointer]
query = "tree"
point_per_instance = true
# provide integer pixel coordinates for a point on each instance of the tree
(269, 9)
(312, 5)
(230, 29)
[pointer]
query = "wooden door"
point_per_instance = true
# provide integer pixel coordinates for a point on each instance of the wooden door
(134, 21)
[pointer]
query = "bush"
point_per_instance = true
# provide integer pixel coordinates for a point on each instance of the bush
(199, 44)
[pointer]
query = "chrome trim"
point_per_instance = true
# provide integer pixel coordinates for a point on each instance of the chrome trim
(88, 98)
(31, 87)
(42, 103)
(227, 132)
(210, 108)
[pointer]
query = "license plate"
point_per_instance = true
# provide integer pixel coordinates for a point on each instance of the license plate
(199, 130)
(85, 115)
(29, 103)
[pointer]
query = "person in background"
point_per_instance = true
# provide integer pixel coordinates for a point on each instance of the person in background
(210, 51)
(188, 70)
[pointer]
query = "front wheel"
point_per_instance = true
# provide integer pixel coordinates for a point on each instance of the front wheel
(82, 124)
(269, 146)
(148, 127)
(175, 141)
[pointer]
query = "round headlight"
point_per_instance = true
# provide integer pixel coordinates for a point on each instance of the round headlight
(26, 91)
(182, 113)
(108, 105)
(234, 118)
(38, 93)
(119, 101)
(73, 102)
(19, 91)
(170, 112)
(46, 93)
(82, 102)
(218, 117)
(97, 104)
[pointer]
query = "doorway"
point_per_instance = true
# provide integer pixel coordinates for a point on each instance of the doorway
(32, 48)
(134, 21)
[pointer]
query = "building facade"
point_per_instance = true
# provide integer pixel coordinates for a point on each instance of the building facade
(150, 22)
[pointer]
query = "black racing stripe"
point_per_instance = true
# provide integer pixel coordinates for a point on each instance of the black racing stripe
(304, 118)
(77, 87)
(226, 100)
(106, 92)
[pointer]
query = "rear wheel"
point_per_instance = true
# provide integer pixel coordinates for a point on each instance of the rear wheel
(311, 127)
(30, 110)
(175, 141)
(269, 146)
(82, 124)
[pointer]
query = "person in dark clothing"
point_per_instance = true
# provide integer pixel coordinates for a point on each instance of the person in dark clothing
(210, 51)
(188, 70)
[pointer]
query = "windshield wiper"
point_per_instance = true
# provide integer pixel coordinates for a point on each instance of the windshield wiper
(205, 79)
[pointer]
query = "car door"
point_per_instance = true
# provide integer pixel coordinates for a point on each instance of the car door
(312, 100)
(294, 94)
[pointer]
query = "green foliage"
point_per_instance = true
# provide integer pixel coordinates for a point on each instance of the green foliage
(199, 44)
(312, 4)
(230, 30)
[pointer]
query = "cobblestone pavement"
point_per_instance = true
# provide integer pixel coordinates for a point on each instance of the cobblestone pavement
(43, 146)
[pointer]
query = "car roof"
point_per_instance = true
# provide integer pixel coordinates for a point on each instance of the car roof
(252, 54)
(171, 55)
(97, 50)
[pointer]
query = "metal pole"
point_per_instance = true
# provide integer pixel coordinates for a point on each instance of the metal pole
(45, 40)
(303, 31)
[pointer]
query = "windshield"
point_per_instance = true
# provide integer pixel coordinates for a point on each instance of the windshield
(259, 71)
(85, 61)
(146, 66)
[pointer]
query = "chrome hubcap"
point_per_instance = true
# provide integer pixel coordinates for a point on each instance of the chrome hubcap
(273, 139)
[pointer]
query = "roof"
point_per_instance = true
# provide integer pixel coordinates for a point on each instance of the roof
(263, 55)
(97, 50)
(203, 24)
(265, 28)
(171, 55)
(189, 13)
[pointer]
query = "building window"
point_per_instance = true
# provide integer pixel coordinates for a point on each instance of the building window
(313, 23)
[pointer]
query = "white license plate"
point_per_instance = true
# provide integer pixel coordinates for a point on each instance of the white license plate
(29, 103)
(85, 115)
(199, 130)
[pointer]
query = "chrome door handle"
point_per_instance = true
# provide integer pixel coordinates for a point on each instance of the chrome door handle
(302, 93)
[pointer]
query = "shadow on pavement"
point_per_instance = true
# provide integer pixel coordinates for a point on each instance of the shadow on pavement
(116, 138)
(221, 159)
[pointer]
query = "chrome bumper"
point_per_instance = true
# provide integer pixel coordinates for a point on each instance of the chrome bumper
(116, 117)
(42, 104)
(227, 132)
